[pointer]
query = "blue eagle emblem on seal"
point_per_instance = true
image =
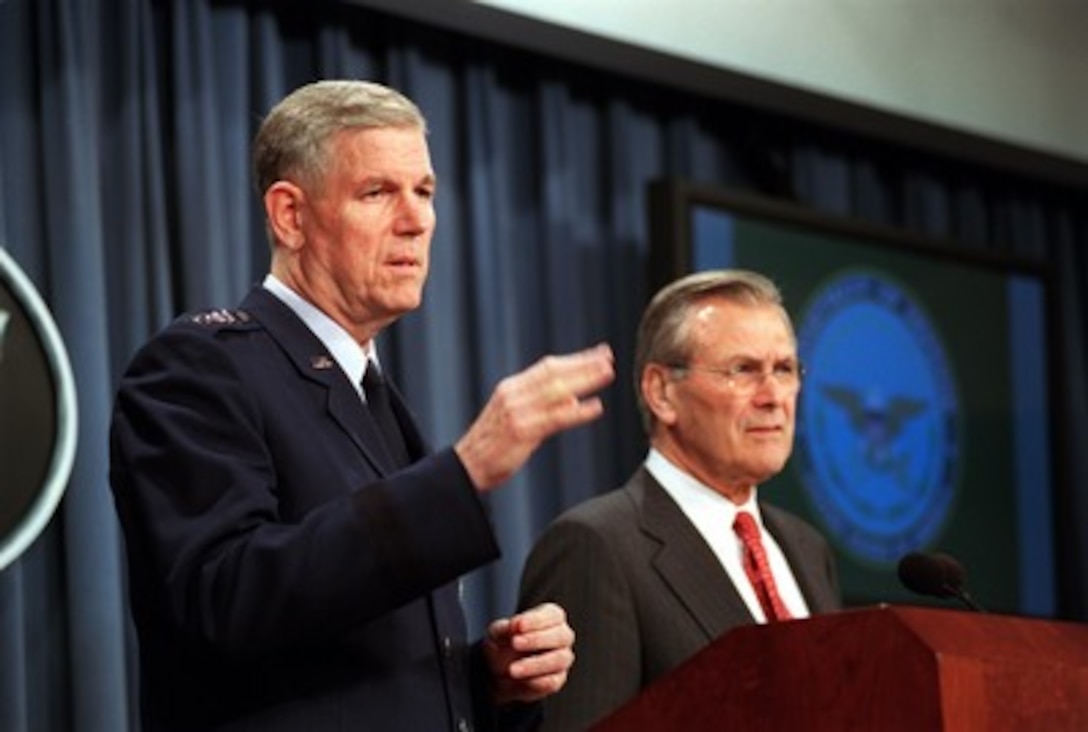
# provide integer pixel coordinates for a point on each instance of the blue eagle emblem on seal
(878, 431)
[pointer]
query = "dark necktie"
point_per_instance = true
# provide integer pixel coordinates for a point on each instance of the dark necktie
(377, 403)
(758, 568)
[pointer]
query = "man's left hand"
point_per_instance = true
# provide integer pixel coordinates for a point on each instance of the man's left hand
(529, 654)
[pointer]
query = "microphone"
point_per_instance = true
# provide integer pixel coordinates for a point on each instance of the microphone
(938, 575)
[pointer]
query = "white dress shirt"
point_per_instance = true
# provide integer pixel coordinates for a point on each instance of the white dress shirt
(712, 515)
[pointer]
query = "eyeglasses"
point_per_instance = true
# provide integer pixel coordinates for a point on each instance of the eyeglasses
(744, 377)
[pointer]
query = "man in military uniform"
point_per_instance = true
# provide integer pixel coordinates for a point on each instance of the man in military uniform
(294, 547)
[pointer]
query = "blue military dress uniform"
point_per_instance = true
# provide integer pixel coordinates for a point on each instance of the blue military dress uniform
(283, 575)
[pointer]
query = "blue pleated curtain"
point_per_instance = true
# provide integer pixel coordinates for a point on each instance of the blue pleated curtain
(125, 197)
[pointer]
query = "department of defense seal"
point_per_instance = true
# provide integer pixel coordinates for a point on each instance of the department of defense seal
(878, 420)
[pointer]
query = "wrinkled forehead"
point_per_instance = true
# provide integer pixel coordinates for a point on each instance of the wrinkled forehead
(726, 327)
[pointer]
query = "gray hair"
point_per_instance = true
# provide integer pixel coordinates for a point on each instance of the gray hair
(292, 141)
(664, 332)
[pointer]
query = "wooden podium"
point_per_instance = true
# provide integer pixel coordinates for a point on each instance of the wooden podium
(883, 668)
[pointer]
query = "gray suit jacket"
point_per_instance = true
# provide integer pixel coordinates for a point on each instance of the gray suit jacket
(643, 591)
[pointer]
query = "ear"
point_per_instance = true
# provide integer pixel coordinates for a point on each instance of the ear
(284, 205)
(657, 391)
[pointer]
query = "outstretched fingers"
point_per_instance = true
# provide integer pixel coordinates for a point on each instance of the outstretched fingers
(554, 394)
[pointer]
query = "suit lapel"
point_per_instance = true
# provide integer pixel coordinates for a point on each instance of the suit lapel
(314, 363)
(803, 560)
(685, 561)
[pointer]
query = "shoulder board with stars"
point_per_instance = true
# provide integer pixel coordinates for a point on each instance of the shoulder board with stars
(220, 317)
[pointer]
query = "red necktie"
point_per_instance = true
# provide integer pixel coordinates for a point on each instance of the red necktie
(758, 568)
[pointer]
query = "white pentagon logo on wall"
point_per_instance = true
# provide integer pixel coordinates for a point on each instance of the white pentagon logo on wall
(38, 413)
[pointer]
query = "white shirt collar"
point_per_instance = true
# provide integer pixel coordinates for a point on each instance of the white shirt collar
(713, 514)
(704, 506)
(351, 357)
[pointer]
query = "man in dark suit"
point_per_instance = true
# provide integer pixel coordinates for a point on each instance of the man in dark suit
(293, 547)
(652, 572)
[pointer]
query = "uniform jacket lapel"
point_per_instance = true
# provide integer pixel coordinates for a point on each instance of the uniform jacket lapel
(314, 363)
